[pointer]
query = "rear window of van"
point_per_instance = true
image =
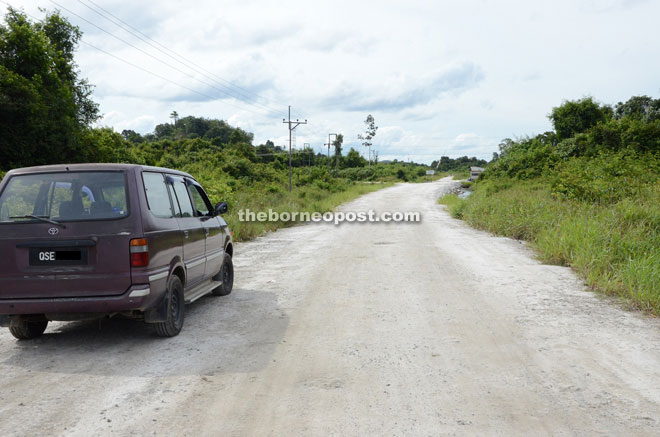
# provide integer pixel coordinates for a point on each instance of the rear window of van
(65, 196)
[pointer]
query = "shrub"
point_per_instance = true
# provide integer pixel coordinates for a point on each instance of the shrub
(607, 178)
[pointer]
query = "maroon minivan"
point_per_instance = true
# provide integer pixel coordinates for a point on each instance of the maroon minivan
(84, 241)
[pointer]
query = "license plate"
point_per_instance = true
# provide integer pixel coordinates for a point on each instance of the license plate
(58, 257)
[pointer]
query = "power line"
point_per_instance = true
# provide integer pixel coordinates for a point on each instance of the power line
(157, 59)
(143, 69)
(156, 45)
(155, 74)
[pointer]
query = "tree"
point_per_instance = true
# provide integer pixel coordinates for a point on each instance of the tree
(163, 131)
(505, 145)
(132, 136)
(642, 108)
(353, 159)
(45, 107)
(574, 117)
(339, 140)
(175, 116)
(369, 134)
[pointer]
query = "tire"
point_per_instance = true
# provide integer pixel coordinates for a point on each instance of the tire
(175, 310)
(24, 329)
(226, 274)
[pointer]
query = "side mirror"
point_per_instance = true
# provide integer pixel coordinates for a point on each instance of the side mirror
(221, 208)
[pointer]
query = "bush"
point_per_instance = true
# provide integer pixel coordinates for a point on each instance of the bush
(607, 178)
(454, 204)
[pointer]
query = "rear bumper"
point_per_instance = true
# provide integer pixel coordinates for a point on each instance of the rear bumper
(136, 298)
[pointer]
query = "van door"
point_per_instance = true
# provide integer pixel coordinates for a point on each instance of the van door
(214, 229)
(194, 234)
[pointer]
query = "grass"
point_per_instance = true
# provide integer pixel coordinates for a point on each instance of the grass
(614, 247)
(303, 199)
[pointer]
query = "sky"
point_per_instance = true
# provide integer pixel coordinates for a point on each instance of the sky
(441, 78)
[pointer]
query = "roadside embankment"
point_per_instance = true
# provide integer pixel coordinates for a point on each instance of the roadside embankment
(615, 247)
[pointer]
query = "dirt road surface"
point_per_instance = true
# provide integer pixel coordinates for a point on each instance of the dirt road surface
(418, 329)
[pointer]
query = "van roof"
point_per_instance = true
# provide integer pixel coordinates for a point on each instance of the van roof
(91, 167)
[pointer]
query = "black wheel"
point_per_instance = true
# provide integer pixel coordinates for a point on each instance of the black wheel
(226, 275)
(27, 329)
(175, 310)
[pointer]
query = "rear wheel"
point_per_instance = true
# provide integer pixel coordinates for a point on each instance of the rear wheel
(27, 329)
(175, 309)
(226, 275)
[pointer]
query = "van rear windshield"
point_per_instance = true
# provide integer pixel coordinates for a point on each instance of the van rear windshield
(66, 196)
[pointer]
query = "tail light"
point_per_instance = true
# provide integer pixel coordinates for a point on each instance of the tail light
(139, 252)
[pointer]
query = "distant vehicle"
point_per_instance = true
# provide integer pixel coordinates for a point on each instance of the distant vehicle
(475, 172)
(93, 240)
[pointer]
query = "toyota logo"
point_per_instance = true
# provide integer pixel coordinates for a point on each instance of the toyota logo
(53, 231)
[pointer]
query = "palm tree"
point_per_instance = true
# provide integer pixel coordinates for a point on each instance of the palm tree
(174, 115)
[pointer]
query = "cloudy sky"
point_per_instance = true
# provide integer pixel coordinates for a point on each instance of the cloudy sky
(440, 77)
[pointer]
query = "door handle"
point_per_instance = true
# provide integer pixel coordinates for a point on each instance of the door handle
(186, 234)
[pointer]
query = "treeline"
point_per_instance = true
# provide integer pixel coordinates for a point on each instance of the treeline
(586, 194)
(463, 163)
(596, 153)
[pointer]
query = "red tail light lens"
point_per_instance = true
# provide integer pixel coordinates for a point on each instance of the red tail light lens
(139, 252)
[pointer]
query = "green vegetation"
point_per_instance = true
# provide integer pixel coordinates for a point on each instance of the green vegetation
(586, 196)
(45, 107)
(46, 114)
(462, 164)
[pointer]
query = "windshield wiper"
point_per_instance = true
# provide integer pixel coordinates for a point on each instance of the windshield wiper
(39, 217)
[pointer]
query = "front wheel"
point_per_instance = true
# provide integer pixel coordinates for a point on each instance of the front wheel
(26, 329)
(226, 275)
(175, 309)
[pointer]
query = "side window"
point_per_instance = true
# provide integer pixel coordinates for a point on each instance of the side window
(199, 200)
(182, 197)
(157, 196)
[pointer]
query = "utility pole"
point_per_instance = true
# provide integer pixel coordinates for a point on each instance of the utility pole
(292, 126)
(329, 144)
(308, 149)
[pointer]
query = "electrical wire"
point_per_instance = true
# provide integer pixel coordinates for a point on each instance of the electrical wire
(155, 74)
(159, 60)
(245, 94)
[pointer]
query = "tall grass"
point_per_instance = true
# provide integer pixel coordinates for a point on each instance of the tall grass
(615, 247)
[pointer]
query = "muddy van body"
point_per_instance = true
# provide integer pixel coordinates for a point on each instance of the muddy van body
(93, 240)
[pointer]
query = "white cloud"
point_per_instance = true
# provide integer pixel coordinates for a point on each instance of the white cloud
(439, 77)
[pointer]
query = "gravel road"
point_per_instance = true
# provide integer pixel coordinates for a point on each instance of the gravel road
(428, 328)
